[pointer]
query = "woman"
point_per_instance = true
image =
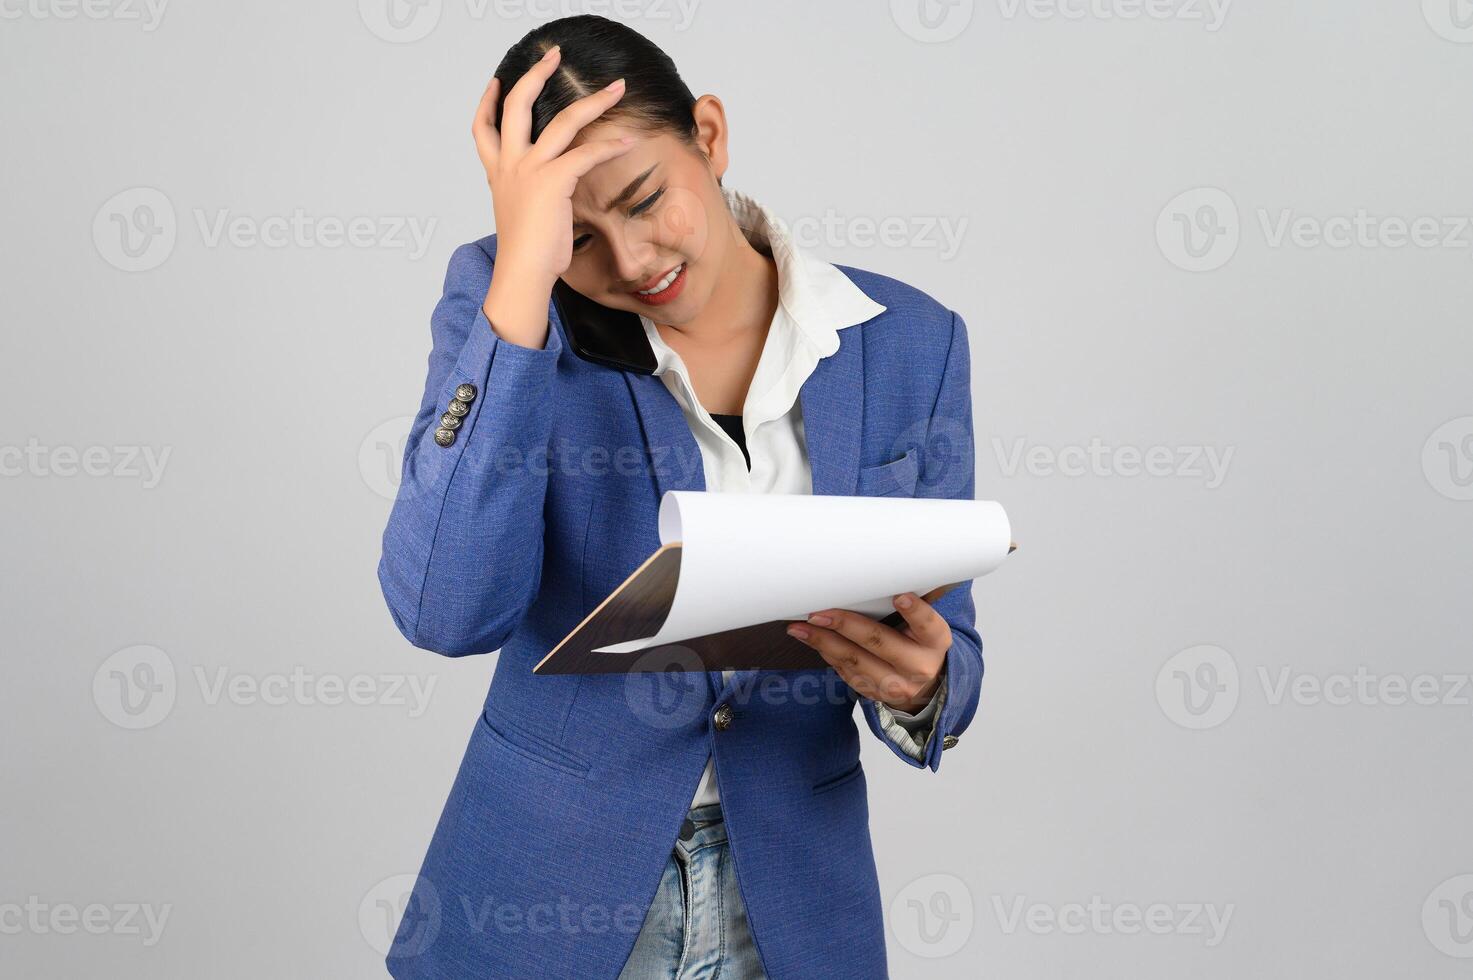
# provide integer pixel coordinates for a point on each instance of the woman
(659, 824)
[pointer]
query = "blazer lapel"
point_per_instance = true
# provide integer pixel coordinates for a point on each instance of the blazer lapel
(833, 404)
(671, 445)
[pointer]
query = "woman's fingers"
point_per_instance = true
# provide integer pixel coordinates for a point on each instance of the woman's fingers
(516, 112)
(581, 159)
(483, 126)
(924, 624)
(512, 141)
(873, 657)
(901, 654)
(866, 673)
(875, 660)
(565, 126)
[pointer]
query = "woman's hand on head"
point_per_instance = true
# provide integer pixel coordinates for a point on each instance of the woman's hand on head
(901, 668)
(531, 183)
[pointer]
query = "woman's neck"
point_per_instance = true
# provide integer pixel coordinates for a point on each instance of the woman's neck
(743, 301)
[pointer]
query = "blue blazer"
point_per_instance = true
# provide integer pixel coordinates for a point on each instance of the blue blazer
(572, 789)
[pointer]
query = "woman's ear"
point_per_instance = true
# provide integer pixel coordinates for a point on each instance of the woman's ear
(711, 131)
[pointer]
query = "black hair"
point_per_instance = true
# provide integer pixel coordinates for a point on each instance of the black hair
(595, 51)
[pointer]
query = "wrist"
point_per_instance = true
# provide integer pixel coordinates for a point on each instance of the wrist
(509, 273)
(921, 699)
(517, 307)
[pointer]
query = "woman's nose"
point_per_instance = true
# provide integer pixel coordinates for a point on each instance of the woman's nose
(632, 262)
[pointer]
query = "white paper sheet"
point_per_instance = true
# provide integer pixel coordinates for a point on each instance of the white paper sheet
(752, 558)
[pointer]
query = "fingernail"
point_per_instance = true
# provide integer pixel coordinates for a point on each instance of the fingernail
(616, 83)
(903, 601)
(798, 631)
(550, 52)
(819, 619)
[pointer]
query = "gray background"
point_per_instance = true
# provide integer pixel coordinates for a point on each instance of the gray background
(1135, 746)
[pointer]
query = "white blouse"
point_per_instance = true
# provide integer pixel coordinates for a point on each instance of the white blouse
(815, 302)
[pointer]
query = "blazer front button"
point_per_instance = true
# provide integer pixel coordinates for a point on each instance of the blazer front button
(466, 392)
(445, 437)
(948, 741)
(448, 421)
(458, 408)
(723, 718)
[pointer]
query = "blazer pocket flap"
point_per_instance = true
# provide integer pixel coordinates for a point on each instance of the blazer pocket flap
(896, 478)
(533, 747)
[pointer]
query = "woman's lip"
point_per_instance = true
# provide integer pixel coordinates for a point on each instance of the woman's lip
(670, 293)
(655, 279)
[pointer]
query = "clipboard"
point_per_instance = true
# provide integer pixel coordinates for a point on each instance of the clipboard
(638, 607)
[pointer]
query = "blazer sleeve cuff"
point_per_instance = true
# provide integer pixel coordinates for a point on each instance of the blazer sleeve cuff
(912, 732)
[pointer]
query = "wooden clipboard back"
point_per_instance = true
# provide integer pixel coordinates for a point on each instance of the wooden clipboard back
(639, 607)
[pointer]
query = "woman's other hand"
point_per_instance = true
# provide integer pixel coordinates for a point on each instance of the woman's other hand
(900, 668)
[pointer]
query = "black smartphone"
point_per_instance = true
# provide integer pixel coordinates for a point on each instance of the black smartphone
(614, 338)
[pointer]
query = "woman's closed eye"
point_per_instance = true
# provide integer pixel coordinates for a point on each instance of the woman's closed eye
(634, 212)
(646, 204)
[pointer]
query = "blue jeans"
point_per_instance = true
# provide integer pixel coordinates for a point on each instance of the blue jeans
(696, 928)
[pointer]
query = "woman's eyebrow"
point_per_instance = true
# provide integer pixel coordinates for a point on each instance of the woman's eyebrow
(624, 195)
(629, 189)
